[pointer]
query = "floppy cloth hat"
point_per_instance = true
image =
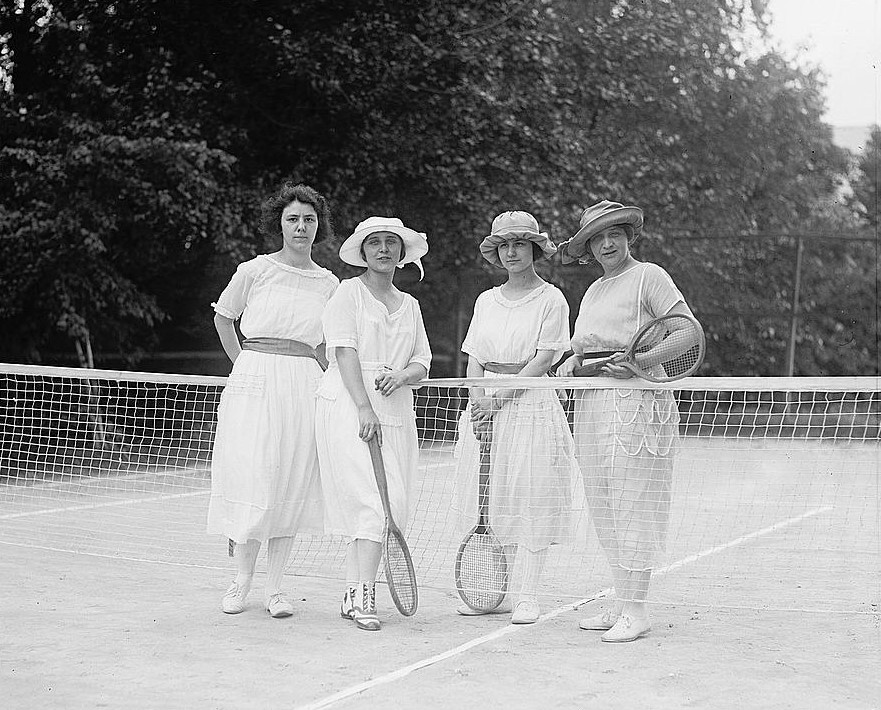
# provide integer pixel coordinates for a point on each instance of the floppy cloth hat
(514, 225)
(415, 243)
(594, 220)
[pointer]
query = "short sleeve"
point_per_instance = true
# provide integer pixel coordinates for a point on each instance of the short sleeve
(659, 293)
(471, 344)
(553, 332)
(340, 318)
(234, 299)
(421, 347)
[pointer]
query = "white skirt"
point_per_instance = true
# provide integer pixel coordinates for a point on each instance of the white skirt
(264, 469)
(534, 476)
(625, 441)
(353, 508)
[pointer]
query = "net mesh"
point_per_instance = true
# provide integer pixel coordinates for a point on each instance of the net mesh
(755, 493)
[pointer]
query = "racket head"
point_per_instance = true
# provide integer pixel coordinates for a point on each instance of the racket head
(399, 572)
(481, 570)
(676, 344)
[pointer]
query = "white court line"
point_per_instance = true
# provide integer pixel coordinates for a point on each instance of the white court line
(511, 628)
(92, 506)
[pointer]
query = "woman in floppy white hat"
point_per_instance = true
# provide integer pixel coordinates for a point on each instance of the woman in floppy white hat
(376, 345)
(519, 329)
(625, 438)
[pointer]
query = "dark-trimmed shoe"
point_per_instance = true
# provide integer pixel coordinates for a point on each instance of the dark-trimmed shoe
(364, 613)
(347, 605)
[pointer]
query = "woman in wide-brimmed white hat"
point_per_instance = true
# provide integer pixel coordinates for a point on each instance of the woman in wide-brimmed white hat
(376, 345)
(519, 329)
(264, 469)
(625, 438)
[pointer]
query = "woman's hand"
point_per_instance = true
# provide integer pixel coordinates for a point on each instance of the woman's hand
(618, 371)
(389, 381)
(482, 417)
(368, 424)
(567, 367)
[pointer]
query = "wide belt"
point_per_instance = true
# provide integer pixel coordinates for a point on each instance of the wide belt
(279, 346)
(504, 368)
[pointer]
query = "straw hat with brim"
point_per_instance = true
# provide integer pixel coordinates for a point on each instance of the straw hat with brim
(594, 220)
(415, 243)
(514, 225)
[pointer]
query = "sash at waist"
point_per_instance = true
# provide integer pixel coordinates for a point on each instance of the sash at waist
(279, 346)
(504, 368)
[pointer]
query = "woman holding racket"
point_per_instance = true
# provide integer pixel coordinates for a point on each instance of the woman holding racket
(625, 438)
(519, 329)
(377, 346)
(264, 470)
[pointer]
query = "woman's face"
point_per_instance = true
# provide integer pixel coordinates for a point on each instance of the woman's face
(299, 225)
(610, 247)
(382, 251)
(516, 255)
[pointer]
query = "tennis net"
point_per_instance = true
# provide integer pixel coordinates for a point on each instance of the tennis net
(772, 502)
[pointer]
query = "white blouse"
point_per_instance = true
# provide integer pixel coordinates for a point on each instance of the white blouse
(275, 300)
(508, 331)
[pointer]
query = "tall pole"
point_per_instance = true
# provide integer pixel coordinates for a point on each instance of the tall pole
(793, 323)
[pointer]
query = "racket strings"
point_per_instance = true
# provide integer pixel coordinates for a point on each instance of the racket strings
(483, 572)
(672, 352)
(400, 574)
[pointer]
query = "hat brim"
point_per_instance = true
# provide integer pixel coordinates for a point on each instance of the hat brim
(575, 248)
(415, 243)
(489, 247)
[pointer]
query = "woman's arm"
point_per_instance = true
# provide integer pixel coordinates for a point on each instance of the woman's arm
(350, 371)
(226, 329)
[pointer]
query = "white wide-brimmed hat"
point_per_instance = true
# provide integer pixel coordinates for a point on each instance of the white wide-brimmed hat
(415, 243)
(594, 220)
(515, 224)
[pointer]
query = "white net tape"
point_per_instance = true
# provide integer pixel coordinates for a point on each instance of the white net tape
(740, 492)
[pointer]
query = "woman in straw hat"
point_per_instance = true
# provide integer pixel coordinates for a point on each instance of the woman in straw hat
(625, 438)
(376, 345)
(519, 329)
(264, 470)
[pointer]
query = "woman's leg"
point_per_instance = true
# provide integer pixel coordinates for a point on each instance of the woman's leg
(245, 556)
(368, 554)
(527, 610)
(279, 553)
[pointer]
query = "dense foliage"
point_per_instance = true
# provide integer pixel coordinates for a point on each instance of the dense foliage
(136, 140)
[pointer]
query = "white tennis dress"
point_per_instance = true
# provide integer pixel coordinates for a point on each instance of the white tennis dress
(625, 438)
(264, 469)
(355, 318)
(533, 469)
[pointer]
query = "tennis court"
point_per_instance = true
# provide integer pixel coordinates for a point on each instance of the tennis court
(769, 596)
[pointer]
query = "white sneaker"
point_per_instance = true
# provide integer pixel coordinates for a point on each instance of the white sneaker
(279, 606)
(233, 601)
(526, 611)
(601, 622)
(627, 628)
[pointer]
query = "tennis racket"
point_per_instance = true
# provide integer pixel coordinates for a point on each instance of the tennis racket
(481, 565)
(399, 572)
(663, 350)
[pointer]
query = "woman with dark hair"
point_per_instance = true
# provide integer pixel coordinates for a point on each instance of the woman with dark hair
(377, 346)
(519, 329)
(264, 471)
(625, 438)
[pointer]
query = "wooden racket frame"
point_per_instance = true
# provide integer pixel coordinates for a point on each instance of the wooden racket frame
(482, 528)
(391, 528)
(626, 357)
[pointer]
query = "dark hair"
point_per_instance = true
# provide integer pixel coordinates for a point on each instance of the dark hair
(400, 239)
(271, 209)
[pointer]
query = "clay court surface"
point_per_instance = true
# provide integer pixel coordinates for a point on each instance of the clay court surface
(769, 600)
(86, 632)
